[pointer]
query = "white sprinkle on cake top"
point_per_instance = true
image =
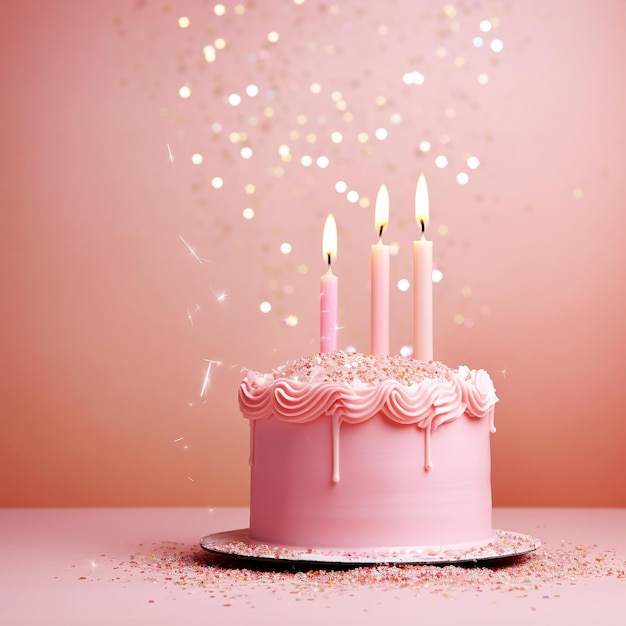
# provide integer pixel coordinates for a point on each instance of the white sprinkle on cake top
(367, 369)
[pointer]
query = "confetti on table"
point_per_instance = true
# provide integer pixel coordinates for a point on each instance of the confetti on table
(180, 567)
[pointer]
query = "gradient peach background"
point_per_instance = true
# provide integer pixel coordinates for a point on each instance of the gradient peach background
(107, 318)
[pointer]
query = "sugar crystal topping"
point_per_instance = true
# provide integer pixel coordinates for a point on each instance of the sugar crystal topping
(366, 369)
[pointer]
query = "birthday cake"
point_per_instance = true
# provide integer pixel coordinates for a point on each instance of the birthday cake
(360, 452)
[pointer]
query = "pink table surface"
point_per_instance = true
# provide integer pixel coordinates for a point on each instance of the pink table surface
(144, 566)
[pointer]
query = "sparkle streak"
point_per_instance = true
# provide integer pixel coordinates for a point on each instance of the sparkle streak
(221, 296)
(191, 250)
(207, 376)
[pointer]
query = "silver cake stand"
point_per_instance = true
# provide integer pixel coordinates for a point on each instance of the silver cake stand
(237, 543)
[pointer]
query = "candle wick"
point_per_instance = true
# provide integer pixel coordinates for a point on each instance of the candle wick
(423, 225)
(329, 257)
(380, 232)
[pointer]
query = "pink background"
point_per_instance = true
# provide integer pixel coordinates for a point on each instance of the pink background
(108, 318)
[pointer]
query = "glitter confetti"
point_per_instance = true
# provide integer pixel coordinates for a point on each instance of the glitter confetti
(318, 97)
(181, 567)
(347, 367)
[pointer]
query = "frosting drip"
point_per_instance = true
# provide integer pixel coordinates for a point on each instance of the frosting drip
(352, 388)
(440, 395)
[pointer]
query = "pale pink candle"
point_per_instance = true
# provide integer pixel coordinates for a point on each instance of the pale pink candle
(379, 278)
(422, 279)
(329, 290)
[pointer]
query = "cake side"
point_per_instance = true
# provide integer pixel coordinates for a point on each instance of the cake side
(385, 498)
(355, 451)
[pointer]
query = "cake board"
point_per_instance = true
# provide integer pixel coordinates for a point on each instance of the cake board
(237, 543)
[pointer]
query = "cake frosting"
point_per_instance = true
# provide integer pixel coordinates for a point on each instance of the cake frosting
(359, 452)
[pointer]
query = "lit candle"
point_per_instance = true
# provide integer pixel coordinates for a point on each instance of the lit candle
(380, 278)
(329, 290)
(422, 279)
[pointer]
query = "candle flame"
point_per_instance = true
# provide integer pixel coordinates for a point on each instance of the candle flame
(381, 214)
(421, 202)
(329, 239)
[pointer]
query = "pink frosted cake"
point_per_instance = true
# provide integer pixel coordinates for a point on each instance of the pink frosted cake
(366, 452)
